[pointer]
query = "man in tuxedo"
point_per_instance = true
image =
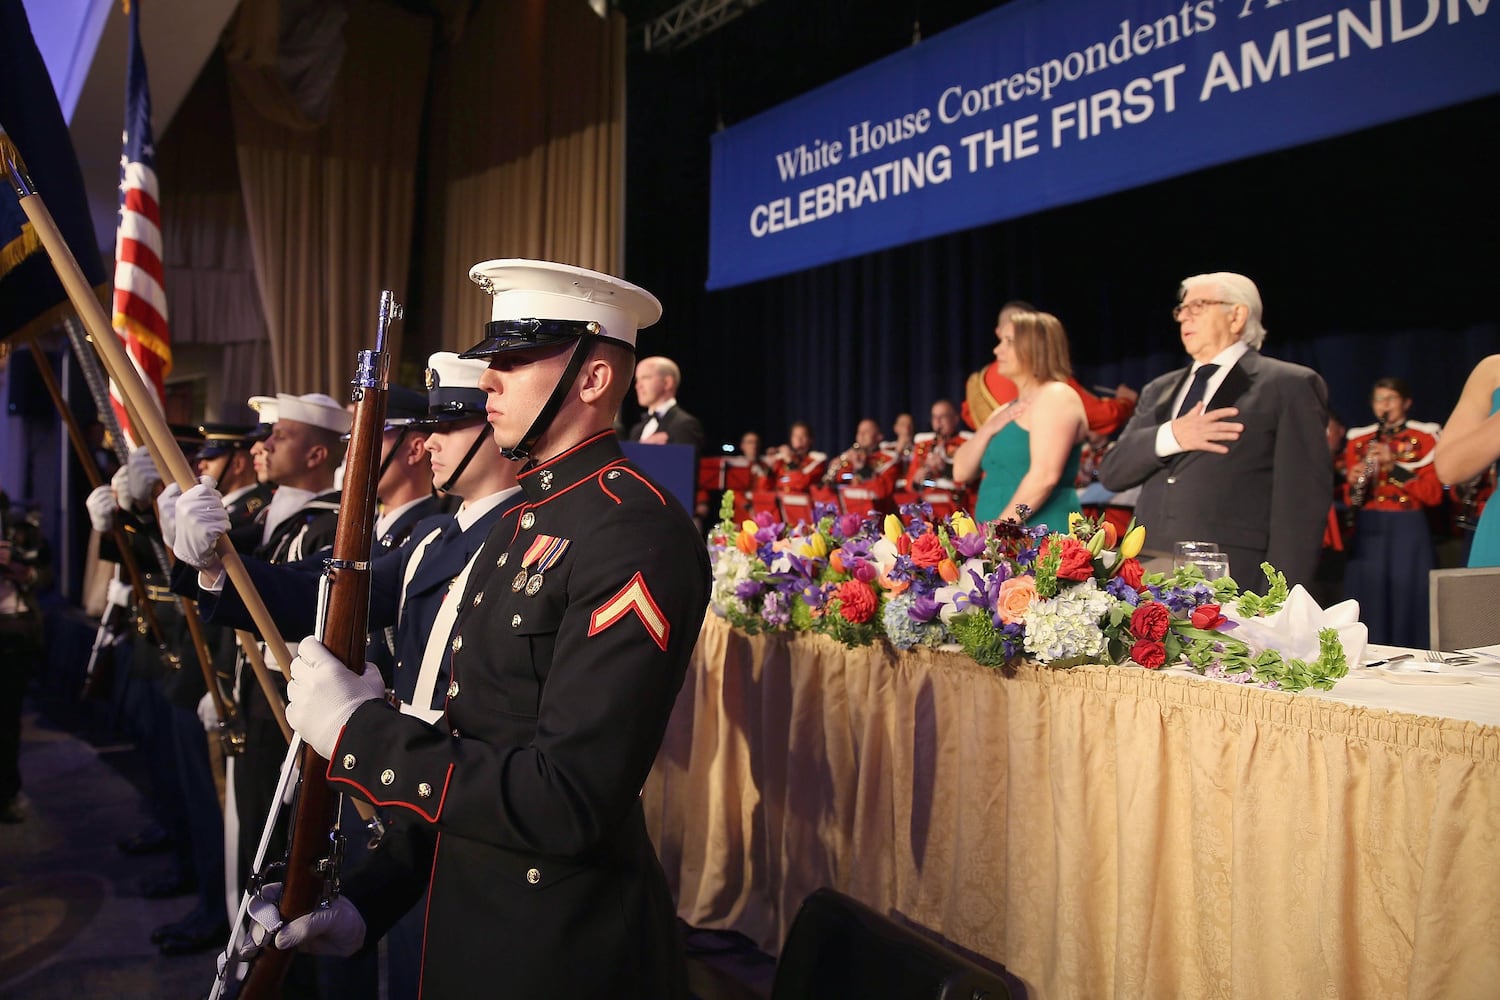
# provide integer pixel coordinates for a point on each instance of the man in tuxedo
(663, 421)
(1232, 448)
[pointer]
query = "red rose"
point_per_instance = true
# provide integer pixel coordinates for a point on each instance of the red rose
(857, 602)
(1148, 654)
(1132, 573)
(1207, 616)
(1150, 621)
(1076, 563)
(927, 551)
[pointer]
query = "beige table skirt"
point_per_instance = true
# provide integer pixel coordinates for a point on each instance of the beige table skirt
(1102, 832)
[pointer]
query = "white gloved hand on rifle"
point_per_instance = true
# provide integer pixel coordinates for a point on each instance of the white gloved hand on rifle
(166, 510)
(199, 521)
(118, 593)
(141, 478)
(324, 693)
(102, 508)
(336, 929)
(208, 712)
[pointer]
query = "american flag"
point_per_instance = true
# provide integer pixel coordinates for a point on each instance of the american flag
(140, 305)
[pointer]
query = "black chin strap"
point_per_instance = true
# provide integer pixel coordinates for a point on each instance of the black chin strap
(390, 455)
(479, 439)
(522, 450)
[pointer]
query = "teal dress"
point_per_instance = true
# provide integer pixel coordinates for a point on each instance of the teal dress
(1486, 548)
(1006, 459)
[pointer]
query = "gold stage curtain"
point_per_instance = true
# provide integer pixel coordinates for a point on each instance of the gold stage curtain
(526, 157)
(1102, 832)
(330, 206)
(218, 328)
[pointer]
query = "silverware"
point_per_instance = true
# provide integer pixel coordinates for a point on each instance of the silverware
(1389, 659)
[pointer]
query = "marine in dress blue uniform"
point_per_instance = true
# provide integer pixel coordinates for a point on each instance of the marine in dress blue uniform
(571, 642)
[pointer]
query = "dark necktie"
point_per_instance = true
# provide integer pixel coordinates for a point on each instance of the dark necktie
(1198, 388)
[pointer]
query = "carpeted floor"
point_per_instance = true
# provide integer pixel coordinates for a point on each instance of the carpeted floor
(73, 922)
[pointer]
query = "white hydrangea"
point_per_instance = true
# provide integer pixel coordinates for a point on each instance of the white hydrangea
(731, 568)
(1067, 626)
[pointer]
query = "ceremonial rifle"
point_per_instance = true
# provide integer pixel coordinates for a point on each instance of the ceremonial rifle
(315, 846)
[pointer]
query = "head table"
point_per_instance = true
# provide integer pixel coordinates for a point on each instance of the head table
(1100, 831)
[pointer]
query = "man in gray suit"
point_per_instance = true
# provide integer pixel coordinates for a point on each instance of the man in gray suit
(1230, 449)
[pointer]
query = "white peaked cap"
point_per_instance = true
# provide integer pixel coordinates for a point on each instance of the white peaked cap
(265, 406)
(317, 409)
(543, 290)
(453, 372)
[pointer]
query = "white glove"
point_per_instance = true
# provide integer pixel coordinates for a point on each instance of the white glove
(324, 693)
(120, 483)
(141, 478)
(200, 519)
(208, 712)
(337, 929)
(166, 513)
(102, 507)
(118, 593)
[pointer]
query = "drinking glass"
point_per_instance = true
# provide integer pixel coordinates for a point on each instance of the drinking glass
(1184, 552)
(1213, 565)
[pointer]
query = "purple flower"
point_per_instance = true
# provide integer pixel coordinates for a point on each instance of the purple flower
(765, 519)
(1013, 637)
(970, 545)
(823, 509)
(748, 589)
(1122, 591)
(864, 570)
(916, 511)
(848, 525)
(812, 596)
(776, 612)
(857, 548)
(923, 609)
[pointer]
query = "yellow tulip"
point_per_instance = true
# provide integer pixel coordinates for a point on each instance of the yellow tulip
(1134, 542)
(963, 524)
(893, 528)
(1074, 520)
(815, 546)
(749, 527)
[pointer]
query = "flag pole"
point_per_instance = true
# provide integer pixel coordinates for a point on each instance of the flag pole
(144, 414)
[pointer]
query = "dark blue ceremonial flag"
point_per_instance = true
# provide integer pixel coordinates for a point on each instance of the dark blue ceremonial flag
(33, 120)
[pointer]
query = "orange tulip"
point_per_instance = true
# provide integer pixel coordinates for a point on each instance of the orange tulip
(893, 586)
(745, 543)
(948, 570)
(1111, 535)
(836, 560)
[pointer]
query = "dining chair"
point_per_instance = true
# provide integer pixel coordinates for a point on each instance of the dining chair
(1464, 606)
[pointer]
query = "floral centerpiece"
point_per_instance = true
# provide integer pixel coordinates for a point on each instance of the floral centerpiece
(1001, 591)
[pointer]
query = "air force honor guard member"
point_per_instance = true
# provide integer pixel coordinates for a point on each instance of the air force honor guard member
(570, 646)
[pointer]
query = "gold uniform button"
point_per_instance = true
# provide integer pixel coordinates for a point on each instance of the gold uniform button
(478, 597)
(453, 689)
(424, 790)
(349, 761)
(455, 734)
(515, 622)
(503, 557)
(533, 876)
(528, 519)
(387, 776)
(458, 643)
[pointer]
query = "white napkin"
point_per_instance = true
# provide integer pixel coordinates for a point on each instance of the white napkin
(1293, 631)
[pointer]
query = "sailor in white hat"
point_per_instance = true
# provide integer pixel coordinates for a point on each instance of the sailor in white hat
(571, 640)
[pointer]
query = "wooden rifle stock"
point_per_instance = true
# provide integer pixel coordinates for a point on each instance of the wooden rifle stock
(314, 851)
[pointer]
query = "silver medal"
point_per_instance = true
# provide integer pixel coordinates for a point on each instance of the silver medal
(519, 581)
(533, 585)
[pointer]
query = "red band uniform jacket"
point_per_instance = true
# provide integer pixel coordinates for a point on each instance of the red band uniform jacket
(574, 634)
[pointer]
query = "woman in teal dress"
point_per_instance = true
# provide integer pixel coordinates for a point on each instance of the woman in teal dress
(1029, 449)
(1469, 445)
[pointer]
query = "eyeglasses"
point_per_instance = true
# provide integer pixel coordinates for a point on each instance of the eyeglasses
(1196, 306)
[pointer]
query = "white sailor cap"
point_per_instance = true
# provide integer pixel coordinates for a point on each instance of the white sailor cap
(316, 409)
(453, 391)
(538, 303)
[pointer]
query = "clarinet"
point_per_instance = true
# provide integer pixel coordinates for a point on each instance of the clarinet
(315, 844)
(1359, 493)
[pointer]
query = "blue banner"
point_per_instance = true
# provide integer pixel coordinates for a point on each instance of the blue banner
(1039, 104)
